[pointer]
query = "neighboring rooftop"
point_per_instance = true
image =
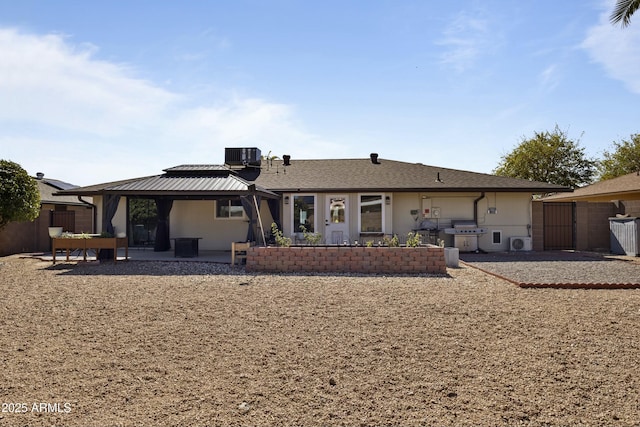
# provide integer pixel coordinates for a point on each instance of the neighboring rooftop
(47, 187)
(620, 188)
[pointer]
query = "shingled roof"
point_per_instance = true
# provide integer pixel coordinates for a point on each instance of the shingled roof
(385, 175)
(344, 175)
(49, 187)
(615, 188)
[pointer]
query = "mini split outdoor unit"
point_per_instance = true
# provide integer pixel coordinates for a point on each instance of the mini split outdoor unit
(520, 243)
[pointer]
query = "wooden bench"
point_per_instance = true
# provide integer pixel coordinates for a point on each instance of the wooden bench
(239, 251)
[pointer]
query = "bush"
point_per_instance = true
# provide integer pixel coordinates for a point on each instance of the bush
(413, 240)
(392, 242)
(311, 238)
(19, 194)
(279, 237)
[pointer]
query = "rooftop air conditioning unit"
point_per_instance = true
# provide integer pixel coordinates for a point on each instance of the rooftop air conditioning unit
(242, 156)
(520, 243)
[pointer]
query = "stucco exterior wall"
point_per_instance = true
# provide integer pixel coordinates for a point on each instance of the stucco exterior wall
(512, 215)
(353, 213)
(119, 220)
(513, 218)
(97, 201)
(195, 218)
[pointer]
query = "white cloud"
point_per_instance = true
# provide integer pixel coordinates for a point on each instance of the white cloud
(63, 106)
(616, 49)
(251, 122)
(466, 39)
(49, 82)
(549, 78)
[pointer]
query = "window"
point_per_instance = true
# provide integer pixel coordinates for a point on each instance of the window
(496, 237)
(304, 208)
(371, 213)
(229, 209)
(337, 208)
(143, 221)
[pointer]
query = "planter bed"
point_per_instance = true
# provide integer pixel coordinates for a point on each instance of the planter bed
(347, 259)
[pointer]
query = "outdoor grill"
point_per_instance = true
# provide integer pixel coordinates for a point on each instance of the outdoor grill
(465, 234)
(428, 230)
(466, 227)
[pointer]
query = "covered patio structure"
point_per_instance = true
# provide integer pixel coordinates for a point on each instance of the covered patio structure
(209, 202)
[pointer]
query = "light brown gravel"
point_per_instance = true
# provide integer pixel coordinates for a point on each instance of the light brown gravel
(190, 344)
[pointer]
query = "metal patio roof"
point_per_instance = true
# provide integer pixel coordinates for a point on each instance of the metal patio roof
(179, 182)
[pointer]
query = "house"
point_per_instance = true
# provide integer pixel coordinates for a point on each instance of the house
(72, 213)
(344, 200)
(584, 214)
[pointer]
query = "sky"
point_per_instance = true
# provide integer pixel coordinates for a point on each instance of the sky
(94, 92)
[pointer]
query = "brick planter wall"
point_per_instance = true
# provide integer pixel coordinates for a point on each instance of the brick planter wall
(341, 259)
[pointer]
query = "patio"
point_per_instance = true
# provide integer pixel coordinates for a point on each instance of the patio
(141, 254)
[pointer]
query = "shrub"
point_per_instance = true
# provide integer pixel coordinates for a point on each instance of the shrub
(413, 240)
(311, 238)
(279, 237)
(392, 242)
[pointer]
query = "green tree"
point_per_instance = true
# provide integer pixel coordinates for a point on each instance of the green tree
(549, 157)
(623, 159)
(623, 11)
(19, 195)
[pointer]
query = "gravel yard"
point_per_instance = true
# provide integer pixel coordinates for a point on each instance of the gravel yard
(560, 268)
(150, 343)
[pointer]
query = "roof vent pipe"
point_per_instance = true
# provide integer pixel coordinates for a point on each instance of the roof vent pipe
(286, 159)
(39, 175)
(374, 158)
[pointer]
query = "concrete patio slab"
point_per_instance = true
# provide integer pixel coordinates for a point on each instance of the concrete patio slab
(138, 254)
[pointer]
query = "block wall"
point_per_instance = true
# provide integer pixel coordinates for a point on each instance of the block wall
(631, 207)
(537, 225)
(597, 230)
(320, 259)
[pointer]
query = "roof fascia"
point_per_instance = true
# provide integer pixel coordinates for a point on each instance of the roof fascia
(193, 195)
(426, 189)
